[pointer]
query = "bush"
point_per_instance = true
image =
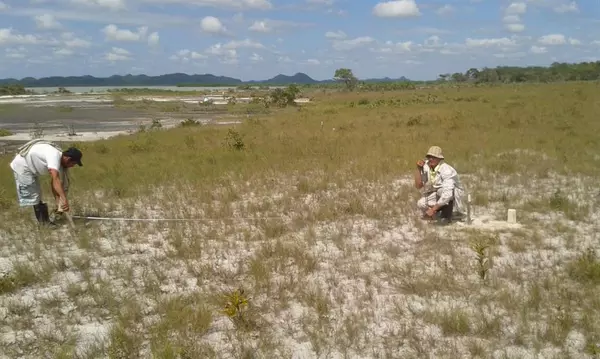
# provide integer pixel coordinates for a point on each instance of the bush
(282, 98)
(5, 132)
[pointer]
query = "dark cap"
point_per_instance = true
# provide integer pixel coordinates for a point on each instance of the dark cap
(74, 154)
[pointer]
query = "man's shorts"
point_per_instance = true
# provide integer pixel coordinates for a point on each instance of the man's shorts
(29, 191)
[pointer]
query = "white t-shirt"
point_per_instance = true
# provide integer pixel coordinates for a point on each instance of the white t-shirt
(40, 158)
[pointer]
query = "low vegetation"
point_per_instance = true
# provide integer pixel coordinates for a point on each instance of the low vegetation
(302, 239)
(13, 89)
(4, 132)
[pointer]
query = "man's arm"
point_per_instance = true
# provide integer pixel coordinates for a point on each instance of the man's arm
(58, 190)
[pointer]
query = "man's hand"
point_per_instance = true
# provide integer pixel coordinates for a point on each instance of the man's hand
(63, 205)
(420, 163)
(431, 212)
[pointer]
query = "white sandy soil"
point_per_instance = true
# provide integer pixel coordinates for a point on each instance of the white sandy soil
(343, 286)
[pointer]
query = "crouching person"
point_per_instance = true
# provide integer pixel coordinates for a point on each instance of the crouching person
(440, 186)
(38, 158)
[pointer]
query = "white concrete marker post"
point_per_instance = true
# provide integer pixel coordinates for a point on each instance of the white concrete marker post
(469, 220)
(512, 216)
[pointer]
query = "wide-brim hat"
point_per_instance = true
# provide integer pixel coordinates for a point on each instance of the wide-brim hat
(435, 151)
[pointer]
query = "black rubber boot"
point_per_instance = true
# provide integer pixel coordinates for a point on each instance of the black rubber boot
(41, 213)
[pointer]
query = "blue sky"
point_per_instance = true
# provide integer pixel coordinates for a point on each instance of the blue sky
(258, 39)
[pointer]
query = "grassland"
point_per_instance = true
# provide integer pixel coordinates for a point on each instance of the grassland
(310, 212)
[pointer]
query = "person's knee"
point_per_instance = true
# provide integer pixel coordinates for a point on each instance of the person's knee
(422, 204)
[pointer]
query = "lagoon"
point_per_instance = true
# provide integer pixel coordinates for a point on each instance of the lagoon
(104, 89)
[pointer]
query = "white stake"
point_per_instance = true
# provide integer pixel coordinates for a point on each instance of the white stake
(512, 216)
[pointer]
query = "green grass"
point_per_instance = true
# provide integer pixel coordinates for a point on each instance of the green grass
(371, 142)
(310, 210)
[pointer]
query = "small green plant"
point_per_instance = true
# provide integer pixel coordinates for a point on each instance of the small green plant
(558, 201)
(5, 132)
(235, 308)
(189, 123)
(36, 131)
(586, 269)
(414, 121)
(234, 140)
(483, 262)
(71, 130)
(156, 124)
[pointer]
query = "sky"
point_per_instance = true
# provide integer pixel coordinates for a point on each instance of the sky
(258, 39)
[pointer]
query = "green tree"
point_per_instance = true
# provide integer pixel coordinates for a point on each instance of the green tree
(347, 77)
(282, 98)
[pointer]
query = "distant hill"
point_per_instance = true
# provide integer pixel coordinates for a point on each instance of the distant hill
(387, 79)
(298, 78)
(173, 79)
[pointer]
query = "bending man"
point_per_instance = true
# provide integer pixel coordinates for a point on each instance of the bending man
(438, 182)
(38, 158)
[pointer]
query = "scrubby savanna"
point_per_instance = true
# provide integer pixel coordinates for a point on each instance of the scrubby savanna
(303, 240)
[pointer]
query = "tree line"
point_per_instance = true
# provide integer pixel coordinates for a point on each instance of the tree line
(556, 72)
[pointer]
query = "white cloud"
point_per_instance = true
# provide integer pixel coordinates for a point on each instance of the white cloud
(269, 26)
(553, 39)
(102, 16)
(63, 52)
(108, 4)
(118, 54)
(7, 36)
(3, 6)
(565, 8)
(260, 26)
(153, 39)
(70, 40)
(256, 57)
(445, 10)
(247, 43)
(515, 27)
(321, 2)
(398, 8)
(538, 49)
(394, 48)
(558, 6)
(511, 19)
(47, 22)
(433, 41)
(574, 42)
(351, 44)
(120, 51)
(186, 55)
(224, 4)
(516, 8)
(335, 35)
(212, 25)
(504, 41)
(113, 33)
(16, 53)
(511, 55)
